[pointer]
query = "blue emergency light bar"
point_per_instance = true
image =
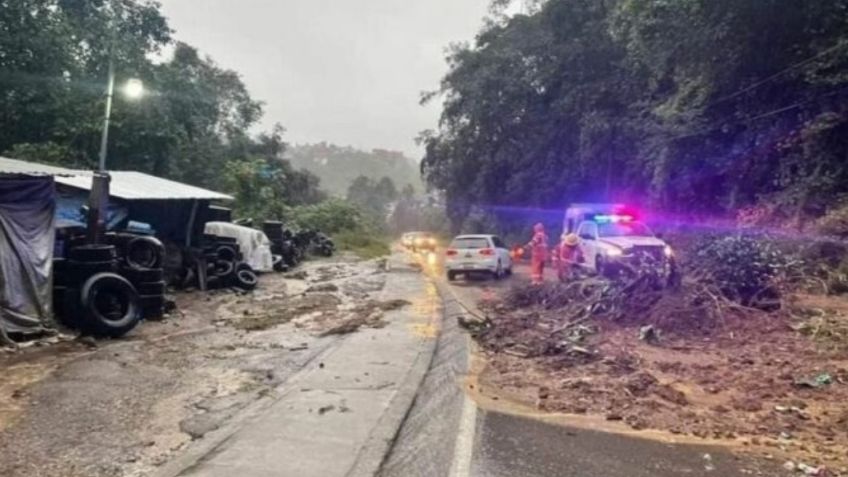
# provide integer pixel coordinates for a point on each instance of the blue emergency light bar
(612, 219)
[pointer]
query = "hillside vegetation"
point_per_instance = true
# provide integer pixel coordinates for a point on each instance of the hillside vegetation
(694, 106)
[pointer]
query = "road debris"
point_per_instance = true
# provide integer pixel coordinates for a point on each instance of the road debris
(684, 359)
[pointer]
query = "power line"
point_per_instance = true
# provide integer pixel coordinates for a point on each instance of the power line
(759, 116)
(780, 73)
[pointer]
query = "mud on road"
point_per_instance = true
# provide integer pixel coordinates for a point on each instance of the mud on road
(756, 384)
(114, 408)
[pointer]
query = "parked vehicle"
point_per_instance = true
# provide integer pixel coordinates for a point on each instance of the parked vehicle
(612, 239)
(470, 254)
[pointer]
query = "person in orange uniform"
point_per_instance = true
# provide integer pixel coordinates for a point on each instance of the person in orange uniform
(538, 254)
(568, 256)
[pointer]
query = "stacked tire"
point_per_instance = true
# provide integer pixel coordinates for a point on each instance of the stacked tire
(225, 266)
(142, 265)
(281, 246)
(93, 296)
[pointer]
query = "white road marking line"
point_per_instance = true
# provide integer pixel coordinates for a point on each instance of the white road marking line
(464, 447)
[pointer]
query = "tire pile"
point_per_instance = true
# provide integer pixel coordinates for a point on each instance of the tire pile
(289, 248)
(221, 259)
(286, 255)
(225, 267)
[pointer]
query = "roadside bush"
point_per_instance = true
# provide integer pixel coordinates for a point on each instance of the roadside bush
(331, 217)
(365, 245)
(744, 268)
(350, 228)
(834, 223)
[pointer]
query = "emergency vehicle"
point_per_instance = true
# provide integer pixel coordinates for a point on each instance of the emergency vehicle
(612, 235)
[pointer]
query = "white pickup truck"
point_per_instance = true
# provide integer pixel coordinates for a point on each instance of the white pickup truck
(610, 236)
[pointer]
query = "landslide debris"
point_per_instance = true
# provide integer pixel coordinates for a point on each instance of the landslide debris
(693, 358)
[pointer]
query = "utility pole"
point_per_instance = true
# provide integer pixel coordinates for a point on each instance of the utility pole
(104, 136)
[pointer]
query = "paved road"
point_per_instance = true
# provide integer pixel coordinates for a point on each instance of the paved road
(489, 443)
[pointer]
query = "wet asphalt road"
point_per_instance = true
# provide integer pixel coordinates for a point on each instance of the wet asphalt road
(506, 445)
(509, 446)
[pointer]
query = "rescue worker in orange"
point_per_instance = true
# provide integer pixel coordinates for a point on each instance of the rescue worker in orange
(538, 254)
(568, 257)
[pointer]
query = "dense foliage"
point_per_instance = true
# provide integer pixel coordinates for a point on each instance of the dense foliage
(689, 105)
(744, 268)
(192, 125)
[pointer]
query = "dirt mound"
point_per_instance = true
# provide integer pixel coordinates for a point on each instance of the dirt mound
(683, 360)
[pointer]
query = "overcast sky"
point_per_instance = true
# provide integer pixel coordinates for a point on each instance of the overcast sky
(344, 71)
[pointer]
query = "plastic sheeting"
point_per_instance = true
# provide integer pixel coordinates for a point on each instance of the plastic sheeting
(27, 216)
(254, 244)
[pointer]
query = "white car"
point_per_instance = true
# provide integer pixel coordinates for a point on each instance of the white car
(469, 254)
(606, 243)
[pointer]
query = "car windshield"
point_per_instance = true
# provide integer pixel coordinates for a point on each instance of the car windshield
(624, 229)
(470, 242)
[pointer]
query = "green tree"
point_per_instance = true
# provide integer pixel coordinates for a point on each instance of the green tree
(690, 105)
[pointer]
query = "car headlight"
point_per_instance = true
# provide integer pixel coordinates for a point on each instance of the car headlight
(669, 252)
(615, 252)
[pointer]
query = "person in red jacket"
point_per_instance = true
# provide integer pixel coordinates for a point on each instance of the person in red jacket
(568, 257)
(538, 254)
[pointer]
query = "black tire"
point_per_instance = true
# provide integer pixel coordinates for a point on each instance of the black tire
(61, 276)
(245, 279)
(187, 278)
(278, 263)
(213, 282)
(69, 308)
(243, 266)
(150, 288)
(224, 269)
(498, 273)
(59, 301)
(135, 275)
(152, 306)
(144, 252)
(78, 272)
(93, 253)
(226, 252)
(110, 305)
(119, 239)
(451, 276)
(600, 266)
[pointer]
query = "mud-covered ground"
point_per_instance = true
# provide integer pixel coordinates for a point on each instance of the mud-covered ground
(776, 384)
(79, 408)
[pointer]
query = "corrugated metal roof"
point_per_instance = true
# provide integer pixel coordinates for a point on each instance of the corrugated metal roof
(130, 185)
(15, 166)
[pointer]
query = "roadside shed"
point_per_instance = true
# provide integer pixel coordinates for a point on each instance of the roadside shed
(176, 211)
(35, 199)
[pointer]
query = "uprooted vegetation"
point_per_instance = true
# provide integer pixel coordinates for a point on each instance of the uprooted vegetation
(726, 353)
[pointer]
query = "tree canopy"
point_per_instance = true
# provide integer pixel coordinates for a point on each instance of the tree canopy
(192, 125)
(690, 105)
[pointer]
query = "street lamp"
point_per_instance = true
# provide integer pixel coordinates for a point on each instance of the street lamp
(99, 197)
(133, 89)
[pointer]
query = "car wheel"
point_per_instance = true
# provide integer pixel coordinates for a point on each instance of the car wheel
(499, 273)
(451, 276)
(600, 266)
